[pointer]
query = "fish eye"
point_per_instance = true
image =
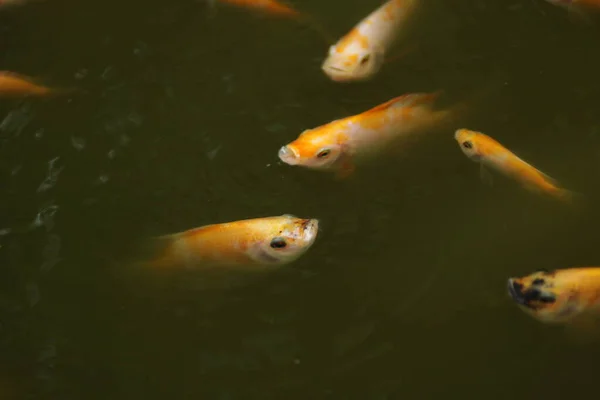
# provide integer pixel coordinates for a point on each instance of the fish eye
(323, 153)
(278, 243)
(538, 281)
(468, 145)
(365, 59)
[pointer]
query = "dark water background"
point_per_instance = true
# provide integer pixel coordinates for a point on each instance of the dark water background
(403, 294)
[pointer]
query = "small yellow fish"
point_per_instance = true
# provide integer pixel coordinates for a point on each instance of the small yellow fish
(339, 145)
(15, 85)
(359, 55)
(559, 296)
(489, 153)
(245, 245)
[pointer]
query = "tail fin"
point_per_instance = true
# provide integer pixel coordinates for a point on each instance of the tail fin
(569, 197)
(162, 252)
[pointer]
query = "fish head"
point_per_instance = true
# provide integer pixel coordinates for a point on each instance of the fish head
(469, 143)
(319, 148)
(545, 296)
(285, 239)
(352, 63)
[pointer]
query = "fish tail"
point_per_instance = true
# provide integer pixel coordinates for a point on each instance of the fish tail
(568, 197)
(165, 251)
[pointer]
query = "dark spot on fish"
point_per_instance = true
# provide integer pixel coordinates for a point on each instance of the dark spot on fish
(543, 271)
(278, 243)
(365, 59)
(468, 145)
(546, 298)
(538, 281)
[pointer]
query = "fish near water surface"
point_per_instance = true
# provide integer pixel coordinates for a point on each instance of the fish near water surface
(15, 85)
(489, 153)
(246, 245)
(359, 55)
(562, 296)
(271, 7)
(341, 144)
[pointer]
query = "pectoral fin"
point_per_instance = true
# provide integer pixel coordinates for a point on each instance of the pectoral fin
(346, 170)
(485, 175)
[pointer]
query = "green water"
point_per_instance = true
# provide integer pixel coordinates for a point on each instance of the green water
(403, 294)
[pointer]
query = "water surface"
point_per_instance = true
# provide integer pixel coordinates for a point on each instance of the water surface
(403, 294)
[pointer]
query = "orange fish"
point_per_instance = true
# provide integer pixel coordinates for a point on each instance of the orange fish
(560, 296)
(339, 145)
(15, 85)
(268, 6)
(244, 245)
(489, 153)
(359, 55)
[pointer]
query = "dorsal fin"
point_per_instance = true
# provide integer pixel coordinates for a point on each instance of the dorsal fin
(409, 100)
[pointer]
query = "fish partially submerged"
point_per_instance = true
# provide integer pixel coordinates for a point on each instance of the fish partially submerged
(341, 144)
(568, 296)
(489, 153)
(360, 54)
(15, 85)
(278, 9)
(246, 245)
(271, 7)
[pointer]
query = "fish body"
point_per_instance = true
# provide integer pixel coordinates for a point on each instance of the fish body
(359, 55)
(488, 152)
(339, 145)
(246, 244)
(267, 6)
(559, 296)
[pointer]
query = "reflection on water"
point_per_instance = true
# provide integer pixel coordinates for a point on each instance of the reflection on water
(404, 292)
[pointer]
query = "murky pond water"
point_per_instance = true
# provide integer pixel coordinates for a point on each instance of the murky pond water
(403, 294)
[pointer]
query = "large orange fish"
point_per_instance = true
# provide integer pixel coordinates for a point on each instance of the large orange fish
(15, 85)
(339, 145)
(246, 245)
(560, 296)
(490, 153)
(359, 55)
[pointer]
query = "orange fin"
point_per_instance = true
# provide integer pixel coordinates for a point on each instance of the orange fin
(409, 100)
(346, 170)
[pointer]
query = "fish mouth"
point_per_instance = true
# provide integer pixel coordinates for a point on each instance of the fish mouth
(288, 155)
(532, 298)
(515, 291)
(336, 74)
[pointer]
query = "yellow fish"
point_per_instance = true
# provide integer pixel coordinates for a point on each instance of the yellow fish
(359, 55)
(490, 153)
(339, 145)
(258, 243)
